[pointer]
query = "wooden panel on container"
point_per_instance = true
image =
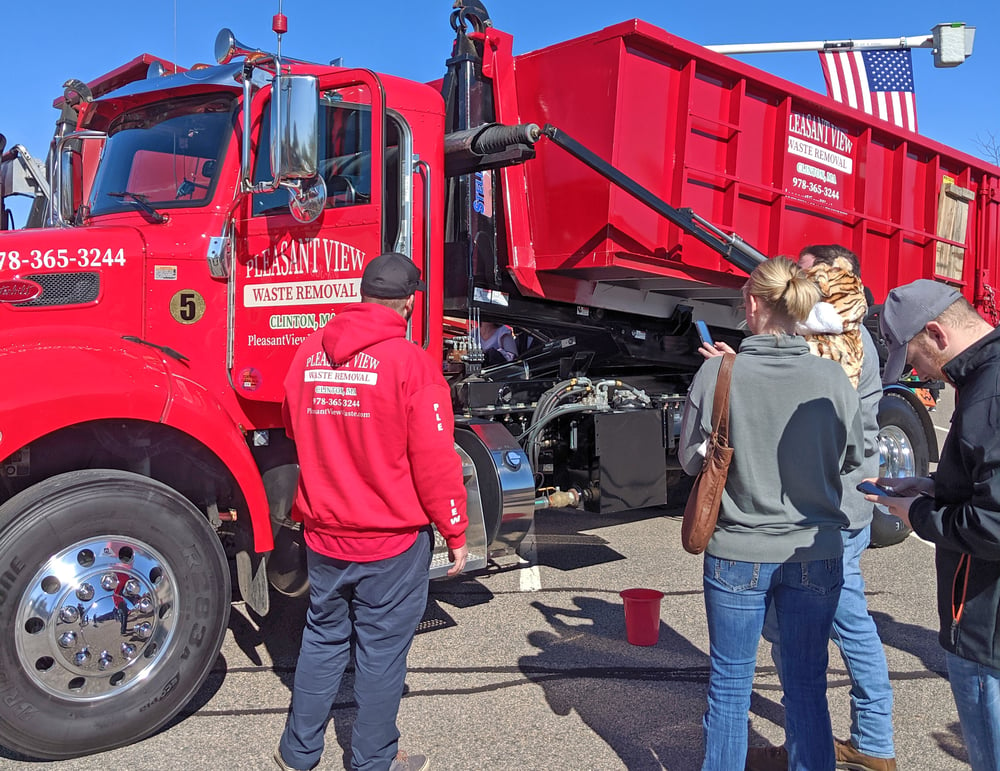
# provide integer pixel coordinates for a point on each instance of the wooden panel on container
(953, 220)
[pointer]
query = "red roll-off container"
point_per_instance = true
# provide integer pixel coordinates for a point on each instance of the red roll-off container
(781, 166)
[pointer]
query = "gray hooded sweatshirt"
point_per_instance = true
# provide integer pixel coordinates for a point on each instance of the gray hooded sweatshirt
(796, 428)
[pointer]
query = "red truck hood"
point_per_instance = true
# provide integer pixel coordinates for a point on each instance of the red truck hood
(57, 259)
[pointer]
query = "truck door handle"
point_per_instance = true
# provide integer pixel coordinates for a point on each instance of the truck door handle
(425, 172)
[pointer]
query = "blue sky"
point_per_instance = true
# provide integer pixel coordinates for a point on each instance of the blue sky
(47, 43)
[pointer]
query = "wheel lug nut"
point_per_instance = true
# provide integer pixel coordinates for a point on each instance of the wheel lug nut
(109, 581)
(69, 614)
(82, 657)
(128, 651)
(144, 630)
(145, 605)
(104, 661)
(85, 592)
(131, 588)
(66, 639)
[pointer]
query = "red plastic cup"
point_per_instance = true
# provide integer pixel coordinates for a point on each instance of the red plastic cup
(642, 615)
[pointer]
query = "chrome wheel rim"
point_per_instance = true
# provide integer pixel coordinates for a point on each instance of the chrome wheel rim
(896, 457)
(97, 618)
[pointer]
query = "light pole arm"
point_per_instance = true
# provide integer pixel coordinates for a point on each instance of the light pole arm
(916, 41)
(952, 44)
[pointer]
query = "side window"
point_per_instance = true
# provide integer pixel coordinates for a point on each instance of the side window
(345, 158)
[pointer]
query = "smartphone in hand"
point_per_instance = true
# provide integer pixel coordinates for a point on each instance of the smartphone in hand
(703, 333)
(870, 488)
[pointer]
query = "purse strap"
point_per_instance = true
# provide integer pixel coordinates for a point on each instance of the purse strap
(720, 405)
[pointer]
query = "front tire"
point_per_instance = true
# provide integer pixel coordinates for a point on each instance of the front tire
(114, 602)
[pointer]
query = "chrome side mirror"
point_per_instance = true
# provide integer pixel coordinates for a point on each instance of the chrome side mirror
(65, 200)
(295, 149)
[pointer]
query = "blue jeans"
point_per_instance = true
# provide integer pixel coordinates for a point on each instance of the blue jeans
(737, 595)
(855, 634)
(976, 689)
(387, 599)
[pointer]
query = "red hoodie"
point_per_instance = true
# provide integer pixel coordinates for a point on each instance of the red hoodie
(372, 422)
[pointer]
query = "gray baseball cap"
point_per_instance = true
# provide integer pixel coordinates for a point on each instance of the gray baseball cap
(907, 310)
(391, 276)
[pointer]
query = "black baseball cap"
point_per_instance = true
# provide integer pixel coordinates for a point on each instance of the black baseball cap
(391, 276)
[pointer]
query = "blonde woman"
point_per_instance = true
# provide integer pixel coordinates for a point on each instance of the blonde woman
(795, 424)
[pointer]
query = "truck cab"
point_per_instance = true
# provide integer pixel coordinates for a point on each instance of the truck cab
(201, 224)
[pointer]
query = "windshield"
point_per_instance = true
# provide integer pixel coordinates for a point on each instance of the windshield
(165, 154)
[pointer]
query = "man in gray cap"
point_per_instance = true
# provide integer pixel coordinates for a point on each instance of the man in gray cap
(370, 414)
(933, 328)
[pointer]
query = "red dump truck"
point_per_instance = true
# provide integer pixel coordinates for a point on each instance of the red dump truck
(200, 224)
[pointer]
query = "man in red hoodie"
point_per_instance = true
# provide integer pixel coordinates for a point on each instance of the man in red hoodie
(371, 417)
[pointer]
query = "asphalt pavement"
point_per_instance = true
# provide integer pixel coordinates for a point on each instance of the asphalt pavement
(526, 666)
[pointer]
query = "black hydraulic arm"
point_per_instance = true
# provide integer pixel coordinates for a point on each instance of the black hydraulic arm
(490, 146)
(732, 247)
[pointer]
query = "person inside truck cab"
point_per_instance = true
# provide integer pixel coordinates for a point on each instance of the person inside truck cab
(499, 344)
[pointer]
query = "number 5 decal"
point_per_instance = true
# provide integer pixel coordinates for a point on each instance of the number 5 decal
(187, 306)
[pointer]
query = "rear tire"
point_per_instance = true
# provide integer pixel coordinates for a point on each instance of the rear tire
(903, 452)
(902, 441)
(114, 601)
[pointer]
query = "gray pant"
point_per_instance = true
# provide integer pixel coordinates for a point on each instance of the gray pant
(387, 599)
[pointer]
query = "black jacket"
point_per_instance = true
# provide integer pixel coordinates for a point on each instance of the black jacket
(963, 518)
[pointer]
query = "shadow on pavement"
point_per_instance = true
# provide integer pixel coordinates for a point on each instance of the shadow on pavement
(585, 665)
(916, 640)
(563, 545)
(279, 634)
(952, 742)
(922, 643)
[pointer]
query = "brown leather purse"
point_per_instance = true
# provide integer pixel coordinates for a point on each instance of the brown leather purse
(702, 509)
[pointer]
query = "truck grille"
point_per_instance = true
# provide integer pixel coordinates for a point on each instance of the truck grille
(64, 289)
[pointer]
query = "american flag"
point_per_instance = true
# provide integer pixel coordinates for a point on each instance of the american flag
(880, 82)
